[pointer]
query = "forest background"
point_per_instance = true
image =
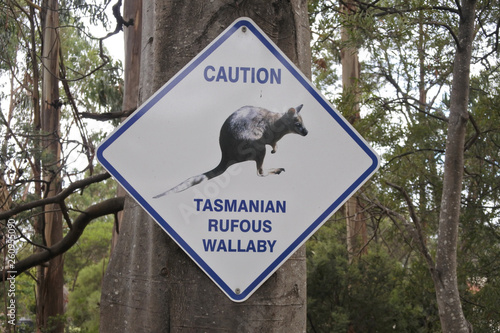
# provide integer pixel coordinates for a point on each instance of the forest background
(377, 279)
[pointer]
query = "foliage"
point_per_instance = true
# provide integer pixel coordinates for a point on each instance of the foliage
(94, 245)
(24, 299)
(407, 51)
(94, 85)
(373, 294)
(83, 306)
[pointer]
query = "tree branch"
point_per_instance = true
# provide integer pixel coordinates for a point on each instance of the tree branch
(88, 149)
(31, 4)
(120, 22)
(440, 151)
(57, 198)
(393, 216)
(106, 207)
(418, 226)
(392, 10)
(107, 115)
(447, 27)
(474, 138)
(405, 98)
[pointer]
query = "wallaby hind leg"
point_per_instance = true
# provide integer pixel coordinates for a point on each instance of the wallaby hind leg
(261, 172)
(275, 171)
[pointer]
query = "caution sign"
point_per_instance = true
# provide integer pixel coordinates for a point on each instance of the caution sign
(238, 158)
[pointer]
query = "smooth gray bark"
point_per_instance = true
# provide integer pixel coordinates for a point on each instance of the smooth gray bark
(151, 285)
(445, 272)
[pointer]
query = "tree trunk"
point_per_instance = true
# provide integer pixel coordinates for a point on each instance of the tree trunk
(445, 273)
(353, 212)
(132, 9)
(50, 288)
(151, 285)
(38, 221)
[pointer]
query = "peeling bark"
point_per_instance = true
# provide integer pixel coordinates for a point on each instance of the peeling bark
(51, 280)
(131, 10)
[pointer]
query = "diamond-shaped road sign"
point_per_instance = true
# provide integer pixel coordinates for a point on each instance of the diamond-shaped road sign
(192, 157)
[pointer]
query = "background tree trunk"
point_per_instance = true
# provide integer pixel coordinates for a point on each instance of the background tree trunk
(151, 285)
(50, 300)
(353, 212)
(132, 9)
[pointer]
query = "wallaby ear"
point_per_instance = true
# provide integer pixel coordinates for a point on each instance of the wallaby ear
(293, 111)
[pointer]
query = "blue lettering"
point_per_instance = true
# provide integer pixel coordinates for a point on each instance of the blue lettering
(280, 206)
(267, 226)
(218, 205)
(276, 77)
(243, 206)
(266, 75)
(236, 76)
(270, 207)
(198, 204)
(222, 246)
(230, 206)
(209, 244)
(251, 246)
(205, 73)
(221, 75)
(207, 206)
(254, 227)
(230, 247)
(245, 225)
(222, 225)
(245, 70)
(254, 206)
(247, 206)
(261, 245)
(234, 225)
(212, 223)
(249, 74)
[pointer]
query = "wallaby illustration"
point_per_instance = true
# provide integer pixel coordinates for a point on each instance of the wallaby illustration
(244, 136)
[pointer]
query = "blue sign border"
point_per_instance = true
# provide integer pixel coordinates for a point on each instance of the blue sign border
(244, 294)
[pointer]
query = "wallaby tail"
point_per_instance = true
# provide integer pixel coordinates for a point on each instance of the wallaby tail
(195, 180)
(184, 185)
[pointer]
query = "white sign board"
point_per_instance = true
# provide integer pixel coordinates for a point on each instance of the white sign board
(198, 175)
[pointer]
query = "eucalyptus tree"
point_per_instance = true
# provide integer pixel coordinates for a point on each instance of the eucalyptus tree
(151, 285)
(55, 72)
